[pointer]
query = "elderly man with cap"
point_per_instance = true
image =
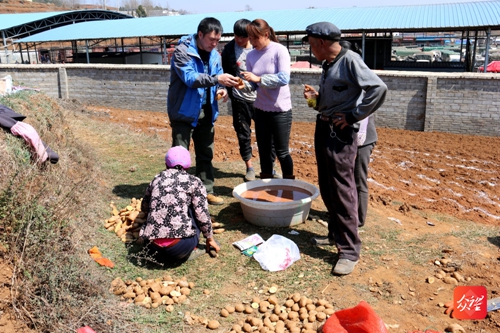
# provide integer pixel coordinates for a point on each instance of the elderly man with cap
(348, 93)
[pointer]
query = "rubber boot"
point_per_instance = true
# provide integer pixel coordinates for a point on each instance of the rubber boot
(266, 175)
(288, 176)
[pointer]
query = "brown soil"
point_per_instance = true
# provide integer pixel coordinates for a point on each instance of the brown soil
(441, 173)
(417, 181)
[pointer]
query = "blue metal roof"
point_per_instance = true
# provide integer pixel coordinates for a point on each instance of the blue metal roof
(445, 17)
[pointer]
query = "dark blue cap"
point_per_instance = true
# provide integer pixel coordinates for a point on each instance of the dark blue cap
(323, 30)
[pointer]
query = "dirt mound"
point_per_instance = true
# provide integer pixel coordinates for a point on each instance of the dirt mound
(17, 7)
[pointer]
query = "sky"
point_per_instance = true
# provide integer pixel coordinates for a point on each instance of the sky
(204, 6)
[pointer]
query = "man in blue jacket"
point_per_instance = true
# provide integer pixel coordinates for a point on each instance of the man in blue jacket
(196, 84)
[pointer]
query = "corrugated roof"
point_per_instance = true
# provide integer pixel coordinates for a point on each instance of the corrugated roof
(445, 17)
(17, 26)
(12, 20)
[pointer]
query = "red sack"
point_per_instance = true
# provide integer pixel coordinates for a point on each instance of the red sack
(85, 329)
(359, 319)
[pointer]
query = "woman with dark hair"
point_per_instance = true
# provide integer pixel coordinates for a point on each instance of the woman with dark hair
(268, 69)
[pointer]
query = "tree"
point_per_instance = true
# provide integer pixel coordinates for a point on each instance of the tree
(147, 4)
(141, 12)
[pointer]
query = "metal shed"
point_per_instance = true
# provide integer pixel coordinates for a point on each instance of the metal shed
(374, 28)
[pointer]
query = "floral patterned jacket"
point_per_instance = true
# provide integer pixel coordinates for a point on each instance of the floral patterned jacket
(166, 203)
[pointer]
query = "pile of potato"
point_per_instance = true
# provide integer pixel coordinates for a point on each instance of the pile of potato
(152, 293)
(298, 314)
(126, 222)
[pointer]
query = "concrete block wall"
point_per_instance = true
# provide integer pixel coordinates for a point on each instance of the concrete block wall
(471, 104)
(462, 103)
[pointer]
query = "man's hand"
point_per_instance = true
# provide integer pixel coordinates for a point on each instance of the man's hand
(340, 120)
(310, 92)
(222, 93)
(227, 80)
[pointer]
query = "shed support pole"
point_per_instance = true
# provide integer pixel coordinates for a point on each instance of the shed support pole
(164, 45)
(474, 52)
(28, 51)
(486, 56)
(140, 50)
(87, 51)
(462, 46)
(363, 40)
(5, 47)
(21, 52)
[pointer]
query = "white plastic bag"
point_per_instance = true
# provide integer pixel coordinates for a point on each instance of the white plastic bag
(5, 85)
(277, 253)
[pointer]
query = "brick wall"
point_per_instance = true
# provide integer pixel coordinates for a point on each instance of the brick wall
(464, 103)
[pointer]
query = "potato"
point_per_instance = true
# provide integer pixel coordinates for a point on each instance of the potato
(255, 322)
(132, 215)
(256, 300)
(241, 84)
(167, 300)
(329, 311)
(239, 307)
(183, 284)
(229, 308)
(140, 298)
(213, 324)
(129, 295)
(273, 300)
(247, 328)
(224, 313)
(165, 290)
(155, 295)
(320, 316)
(283, 316)
(292, 315)
(321, 302)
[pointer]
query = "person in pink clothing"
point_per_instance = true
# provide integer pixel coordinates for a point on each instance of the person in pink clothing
(268, 69)
(176, 206)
